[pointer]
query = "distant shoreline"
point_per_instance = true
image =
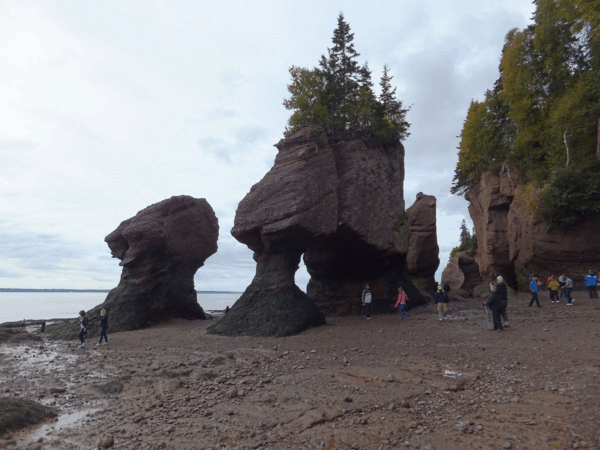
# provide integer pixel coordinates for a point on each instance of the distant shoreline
(99, 290)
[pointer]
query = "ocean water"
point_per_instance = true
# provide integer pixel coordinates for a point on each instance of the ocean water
(63, 305)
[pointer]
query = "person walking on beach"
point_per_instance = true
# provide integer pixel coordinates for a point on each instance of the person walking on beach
(548, 281)
(533, 288)
(494, 304)
(554, 286)
(401, 302)
(83, 322)
(366, 301)
(441, 300)
(568, 288)
(103, 327)
(591, 281)
(503, 294)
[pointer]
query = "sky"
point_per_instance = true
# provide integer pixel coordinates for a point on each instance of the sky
(108, 107)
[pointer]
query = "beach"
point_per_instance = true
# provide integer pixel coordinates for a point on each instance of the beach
(353, 383)
(15, 306)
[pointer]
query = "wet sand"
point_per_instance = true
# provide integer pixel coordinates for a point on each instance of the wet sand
(378, 384)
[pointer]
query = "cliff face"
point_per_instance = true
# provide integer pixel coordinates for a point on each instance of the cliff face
(512, 243)
(339, 202)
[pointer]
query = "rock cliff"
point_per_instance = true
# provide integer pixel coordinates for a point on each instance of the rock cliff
(339, 202)
(512, 243)
(160, 249)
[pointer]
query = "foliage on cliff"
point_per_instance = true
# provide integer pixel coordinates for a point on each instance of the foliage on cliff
(338, 95)
(468, 241)
(542, 114)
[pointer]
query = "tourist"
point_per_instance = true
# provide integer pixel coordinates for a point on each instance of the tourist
(568, 288)
(591, 281)
(401, 302)
(554, 286)
(366, 301)
(503, 294)
(533, 288)
(103, 328)
(548, 281)
(441, 300)
(43, 328)
(446, 287)
(82, 327)
(561, 281)
(494, 303)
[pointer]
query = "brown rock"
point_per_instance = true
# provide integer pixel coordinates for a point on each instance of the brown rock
(511, 240)
(108, 442)
(339, 201)
(160, 249)
(462, 272)
(423, 251)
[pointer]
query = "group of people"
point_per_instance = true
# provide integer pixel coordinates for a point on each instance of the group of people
(83, 326)
(561, 287)
(367, 299)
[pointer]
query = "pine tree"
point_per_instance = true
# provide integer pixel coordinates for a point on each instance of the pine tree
(394, 115)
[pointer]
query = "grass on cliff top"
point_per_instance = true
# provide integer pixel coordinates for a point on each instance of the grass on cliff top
(17, 413)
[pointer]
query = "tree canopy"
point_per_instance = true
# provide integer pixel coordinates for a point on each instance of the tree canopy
(338, 94)
(542, 114)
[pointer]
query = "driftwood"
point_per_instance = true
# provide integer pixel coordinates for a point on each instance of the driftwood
(29, 323)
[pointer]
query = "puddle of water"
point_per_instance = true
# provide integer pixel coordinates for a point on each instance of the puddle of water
(64, 421)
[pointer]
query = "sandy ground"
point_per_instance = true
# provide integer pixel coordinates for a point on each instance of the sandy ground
(378, 384)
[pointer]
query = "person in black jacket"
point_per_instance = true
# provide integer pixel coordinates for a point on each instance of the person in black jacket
(495, 304)
(441, 300)
(103, 327)
(83, 323)
(503, 293)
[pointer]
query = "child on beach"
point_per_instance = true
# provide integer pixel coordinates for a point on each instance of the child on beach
(366, 301)
(401, 302)
(554, 285)
(82, 327)
(103, 327)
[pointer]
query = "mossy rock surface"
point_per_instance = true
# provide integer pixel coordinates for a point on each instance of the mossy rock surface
(17, 413)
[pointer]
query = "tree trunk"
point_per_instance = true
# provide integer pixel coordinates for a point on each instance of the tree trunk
(598, 148)
(567, 145)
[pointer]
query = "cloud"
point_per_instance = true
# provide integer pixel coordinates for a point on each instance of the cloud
(6, 274)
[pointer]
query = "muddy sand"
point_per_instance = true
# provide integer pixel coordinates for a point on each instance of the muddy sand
(352, 384)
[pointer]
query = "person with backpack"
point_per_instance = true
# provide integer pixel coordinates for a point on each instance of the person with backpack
(367, 298)
(591, 281)
(494, 304)
(83, 323)
(103, 327)
(401, 302)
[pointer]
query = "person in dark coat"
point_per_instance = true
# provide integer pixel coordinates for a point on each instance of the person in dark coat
(503, 293)
(495, 304)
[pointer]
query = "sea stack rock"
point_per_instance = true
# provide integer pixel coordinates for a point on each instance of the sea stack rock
(339, 201)
(462, 272)
(423, 250)
(160, 249)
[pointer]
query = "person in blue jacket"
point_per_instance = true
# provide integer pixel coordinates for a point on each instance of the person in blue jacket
(367, 298)
(591, 281)
(103, 327)
(533, 288)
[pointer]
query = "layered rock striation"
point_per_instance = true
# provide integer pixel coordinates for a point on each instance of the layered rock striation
(339, 202)
(513, 243)
(160, 249)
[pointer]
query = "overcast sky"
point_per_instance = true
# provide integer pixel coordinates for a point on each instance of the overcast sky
(109, 106)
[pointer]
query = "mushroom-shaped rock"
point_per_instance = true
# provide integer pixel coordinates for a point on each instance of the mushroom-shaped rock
(462, 272)
(160, 249)
(278, 218)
